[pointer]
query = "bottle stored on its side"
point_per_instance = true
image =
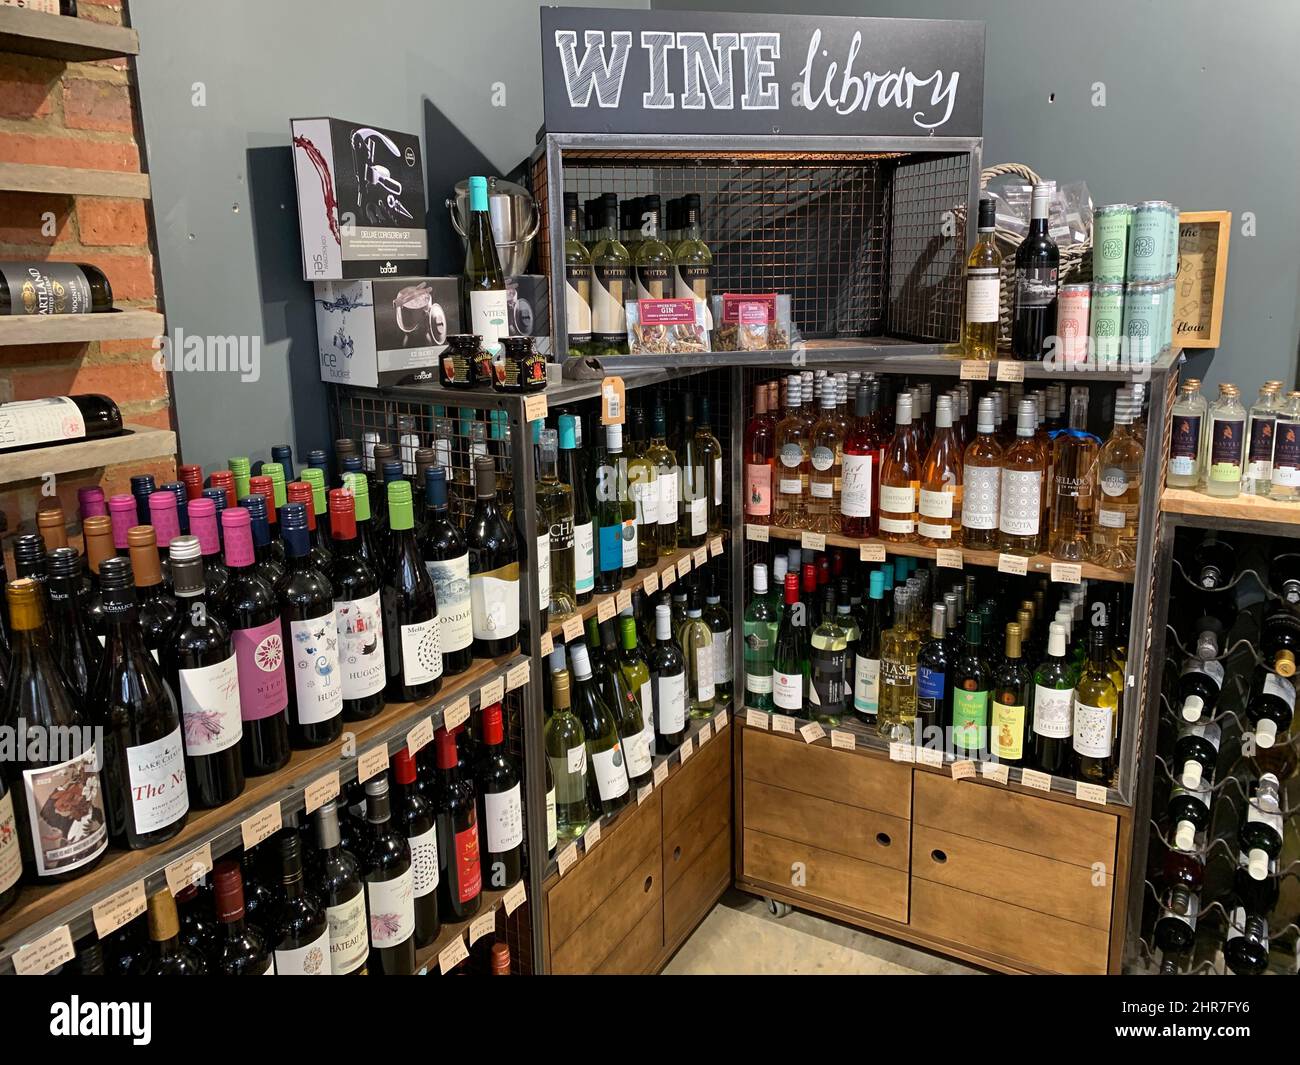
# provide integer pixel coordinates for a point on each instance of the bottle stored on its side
(1188, 811)
(1199, 685)
(45, 288)
(1196, 753)
(1271, 706)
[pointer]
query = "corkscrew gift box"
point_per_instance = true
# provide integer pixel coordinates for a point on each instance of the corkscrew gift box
(378, 333)
(529, 309)
(360, 200)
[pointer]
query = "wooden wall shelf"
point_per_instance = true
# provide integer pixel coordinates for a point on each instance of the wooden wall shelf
(76, 40)
(67, 181)
(79, 328)
(139, 443)
(1245, 508)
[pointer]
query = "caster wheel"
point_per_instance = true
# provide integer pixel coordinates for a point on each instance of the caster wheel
(778, 909)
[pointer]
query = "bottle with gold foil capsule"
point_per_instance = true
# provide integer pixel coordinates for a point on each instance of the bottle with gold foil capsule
(1020, 506)
(1257, 477)
(983, 285)
(1012, 689)
(1227, 438)
(1073, 485)
(982, 482)
(900, 478)
(1285, 476)
(941, 485)
(1187, 440)
(50, 526)
(822, 508)
(793, 448)
(1119, 482)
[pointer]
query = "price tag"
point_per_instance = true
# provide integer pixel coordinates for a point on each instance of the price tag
(758, 719)
(514, 898)
(686, 749)
(112, 913)
(372, 762)
(995, 771)
(42, 955)
(591, 837)
(1010, 370)
(948, 558)
(844, 741)
(812, 732)
(684, 565)
(871, 552)
(420, 735)
(189, 869)
(612, 405)
(963, 770)
(661, 773)
(491, 692)
(454, 952)
(701, 556)
(783, 723)
(456, 714)
(485, 924)
(668, 577)
(974, 370)
(535, 407)
(572, 628)
(547, 644)
(757, 533)
(1067, 572)
(644, 792)
(720, 720)
(811, 541)
(319, 792)
(705, 733)
(567, 857)
(623, 600)
(605, 609)
(715, 546)
(931, 756)
(1016, 565)
(266, 822)
(651, 583)
(1090, 793)
(1032, 778)
(902, 752)
(518, 675)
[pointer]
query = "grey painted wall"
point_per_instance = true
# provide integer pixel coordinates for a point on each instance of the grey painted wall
(1201, 109)
(222, 173)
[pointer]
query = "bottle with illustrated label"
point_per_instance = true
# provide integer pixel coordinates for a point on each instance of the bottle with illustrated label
(461, 872)
(900, 478)
(577, 281)
(1020, 502)
(1187, 436)
(144, 754)
(622, 700)
(1096, 711)
(358, 614)
(982, 482)
(636, 671)
(664, 460)
(336, 884)
(414, 815)
(762, 618)
(643, 486)
(695, 638)
(692, 260)
(866, 664)
(1226, 443)
(1119, 489)
(653, 259)
(1261, 438)
(555, 507)
(390, 886)
(198, 661)
(933, 663)
(983, 281)
(612, 284)
(168, 956)
(900, 648)
(248, 606)
(299, 933)
(242, 950)
(54, 844)
(860, 468)
(1270, 707)
(793, 453)
(43, 288)
(566, 754)
(607, 788)
(940, 505)
(790, 657)
(1013, 681)
(411, 636)
(1285, 474)
(493, 569)
(668, 677)
(11, 857)
(311, 634)
(1053, 706)
(1034, 285)
(501, 812)
(971, 686)
(485, 311)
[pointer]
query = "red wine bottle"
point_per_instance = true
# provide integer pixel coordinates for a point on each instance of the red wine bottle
(336, 882)
(310, 637)
(458, 843)
(416, 817)
(11, 858)
(390, 887)
(414, 660)
(493, 568)
(164, 516)
(446, 557)
(76, 649)
(144, 756)
(248, 607)
(168, 955)
(242, 951)
(300, 933)
(268, 564)
(355, 482)
(318, 553)
(33, 423)
(203, 524)
(359, 614)
(501, 812)
(43, 288)
(157, 609)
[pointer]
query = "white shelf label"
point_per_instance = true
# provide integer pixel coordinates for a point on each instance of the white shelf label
(974, 370)
(812, 732)
(783, 723)
(1032, 778)
(871, 552)
(112, 913)
(262, 825)
(454, 952)
(319, 792)
(374, 761)
(456, 714)
(42, 955)
(1010, 370)
(902, 752)
(845, 741)
(995, 771)
(758, 719)
(189, 869)
(811, 541)
(419, 736)
(1067, 572)
(931, 756)
(757, 533)
(1016, 565)
(963, 770)
(1090, 793)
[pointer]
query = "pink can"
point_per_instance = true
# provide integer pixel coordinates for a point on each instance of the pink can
(1073, 304)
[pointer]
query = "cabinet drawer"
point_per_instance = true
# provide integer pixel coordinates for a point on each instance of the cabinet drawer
(640, 947)
(863, 834)
(871, 783)
(837, 878)
(634, 838)
(1059, 889)
(1022, 822)
(609, 923)
(1018, 935)
(689, 896)
(686, 788)
(684, 844)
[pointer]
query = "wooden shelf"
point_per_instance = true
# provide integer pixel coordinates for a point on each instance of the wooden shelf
(41, 909)
(1242, 508)
(138, 444)
(426, 958)
(76, 40)
(1035, 564)
(67, 181)
(78, 328)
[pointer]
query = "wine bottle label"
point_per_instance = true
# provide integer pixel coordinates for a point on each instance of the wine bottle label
(1053, 712)
(787, 690)
(1208, 667)
(1093, 730)
(855, 490)
(698, 509)
(758, 683)
(312, 960)
(451, 590)
(503, 820)
(40, 421)
(494, 598)
(931, 687)
(47, 288)
(670, 703)
(584, 558)
(638, 754)
(420, 648)
(156, 772)
(717, 480)
(1227, 438)
(933, 531)
(647, 699)
(1111, 519)
(979, 502)
(609, 293)
(611, 774)
(544, 570)
(1007, 731)
(611, 548)
(1035, 287)
(645, 494)
(724, 669)
(570, 785)
(318, 686)
(349, 941)
(822, 459)
(11, 861)
(577, 760)
(866, 684)
(936, 504)
(552, 822)
(827, 689)
(1285, 466)
(629, 538)
(1021, 502)
(361, 644)
(259, 656)
(654, 282)
(1279, 688)
(821, 489)
(982, 294)
(703, 684)
(898, 500)
(758, 489)
(695, 281)
(896, 525)
(1259, 456)
(424, 862)
(1185, 445)
(489, 314)
(392, 910)
(65, 814)
(667, 482)
(210, 707)
(970, 718)
(577, 302)
(648, 734)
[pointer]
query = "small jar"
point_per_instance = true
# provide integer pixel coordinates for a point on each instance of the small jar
(524, 368)
(456, 368)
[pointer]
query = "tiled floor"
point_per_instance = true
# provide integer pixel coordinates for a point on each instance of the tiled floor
(740, 936)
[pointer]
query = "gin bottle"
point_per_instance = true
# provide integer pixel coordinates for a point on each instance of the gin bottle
(1260, 438)
(1227, 444)
(1187, 442)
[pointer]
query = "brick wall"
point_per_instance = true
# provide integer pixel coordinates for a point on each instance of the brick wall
(79, 115)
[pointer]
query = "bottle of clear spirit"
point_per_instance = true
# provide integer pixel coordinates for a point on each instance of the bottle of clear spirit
(1285, 475)
(1260, 437)
(1187, 441)
(1226, 443)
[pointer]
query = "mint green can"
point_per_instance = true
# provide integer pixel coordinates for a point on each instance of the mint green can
(1148, 241)
(1106, 322)
(1171, 263)
(1110, 226)
(1144, 304)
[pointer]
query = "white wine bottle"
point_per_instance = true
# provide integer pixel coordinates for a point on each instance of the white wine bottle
(485, 308)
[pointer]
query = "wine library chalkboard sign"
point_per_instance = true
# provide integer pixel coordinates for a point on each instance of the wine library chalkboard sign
(679, 72)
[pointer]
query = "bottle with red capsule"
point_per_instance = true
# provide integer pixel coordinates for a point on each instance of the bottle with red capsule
(461, 884)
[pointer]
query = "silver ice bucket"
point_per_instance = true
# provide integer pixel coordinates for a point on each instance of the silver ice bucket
(514, 216)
